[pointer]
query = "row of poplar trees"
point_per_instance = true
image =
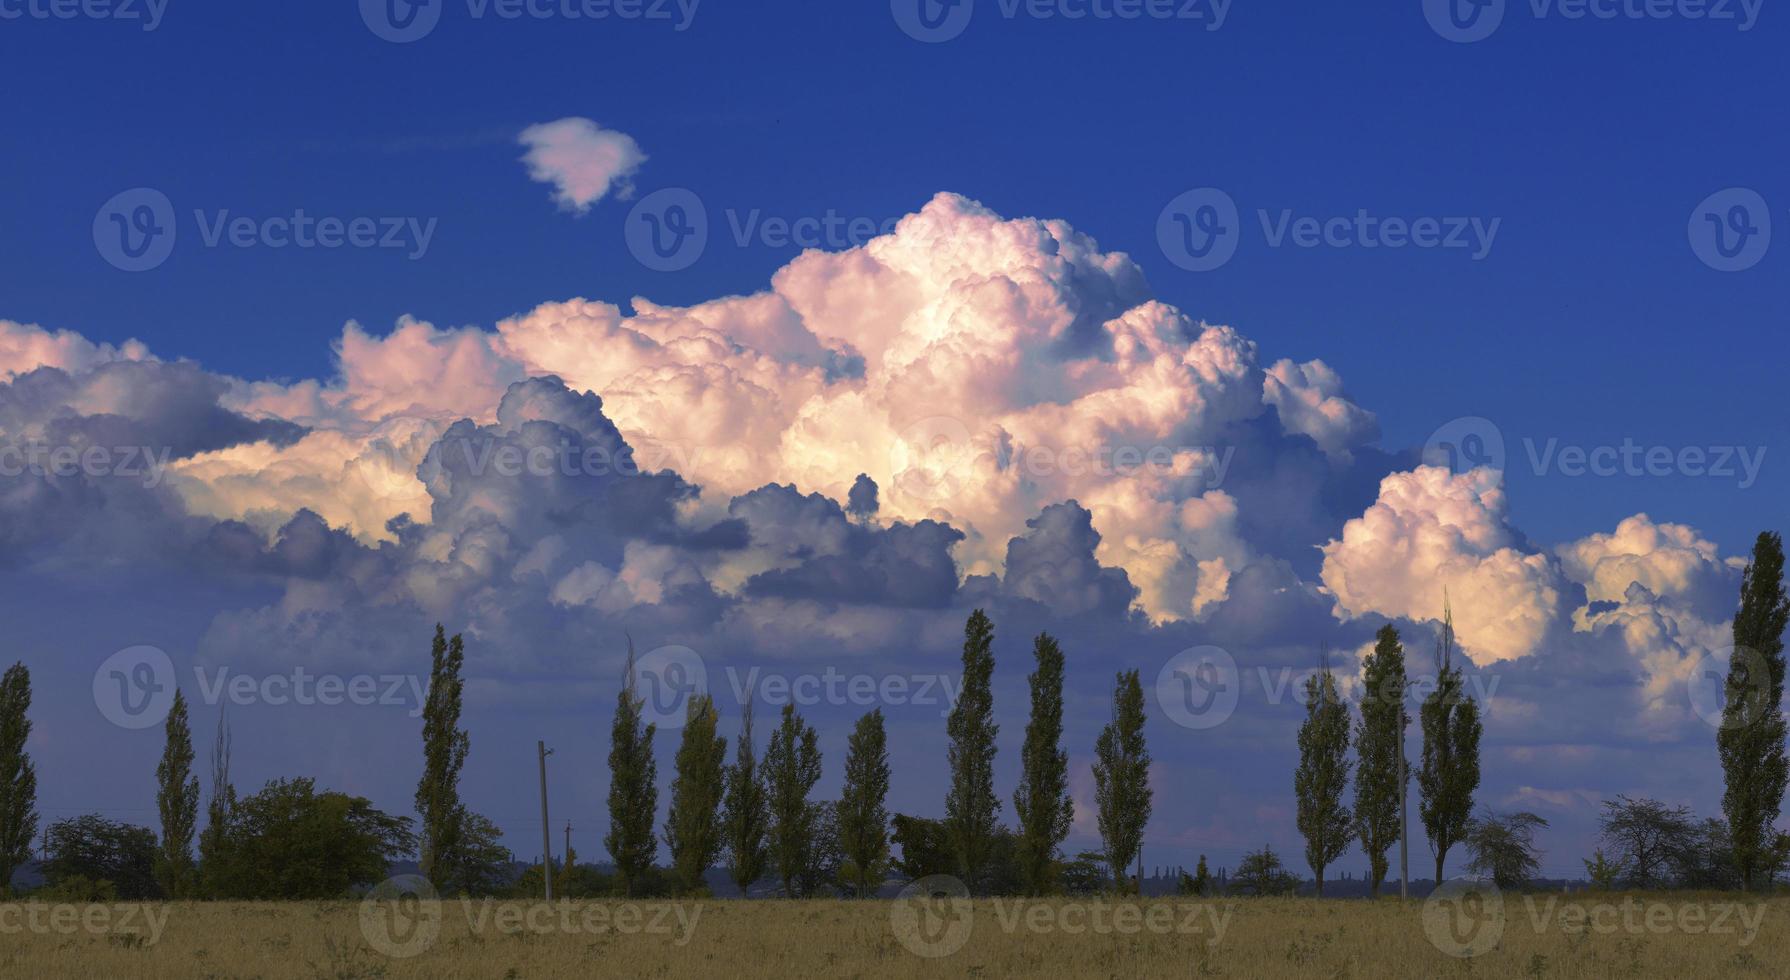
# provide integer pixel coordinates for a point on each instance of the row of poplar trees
(1750, 740)
(755, 815)
(1447, 772)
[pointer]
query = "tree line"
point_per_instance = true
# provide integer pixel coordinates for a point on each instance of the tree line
(754, 817)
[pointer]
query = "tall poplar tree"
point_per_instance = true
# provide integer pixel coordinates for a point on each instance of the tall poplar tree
(445, 745)
(792, 767)
(1450, 771)
(863, 810)
(1042, 801)
(971, 807)
(18, 777)
(1323, 774)
(1376, 745)
(1122, 795)
(1751, 739)
(220, 812)
(177, 802)
(633, 785)
(693, 827)
(745, 815)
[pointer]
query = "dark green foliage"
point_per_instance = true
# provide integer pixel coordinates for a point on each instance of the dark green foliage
(18, 777)
(863, 810)
(1085, 874)
(445, 745)
(925, 847)
(177, 803)
(93, 849)
(1450, 770)
(1502, 847)
(1202, 879)
(971, 807)
(791, 768)
(1751, 739)
(1323, 774)
(290, 842)
(633, 785)
(481, 864)
(824, 857)
(1042, 801)
(1647, 839)
(693, 827)
(1122, 795)
(745, 815)
(1376, 746)
(1262, 873)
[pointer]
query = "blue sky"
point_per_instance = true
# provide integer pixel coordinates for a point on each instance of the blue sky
(1591, 142)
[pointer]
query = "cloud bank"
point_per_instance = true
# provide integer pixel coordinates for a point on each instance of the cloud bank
(970, 411)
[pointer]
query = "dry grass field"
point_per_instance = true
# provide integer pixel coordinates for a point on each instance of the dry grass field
(1601, 935)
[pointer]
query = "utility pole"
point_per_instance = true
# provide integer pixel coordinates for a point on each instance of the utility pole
(1404, 809)
(566, 855)
(546, 835)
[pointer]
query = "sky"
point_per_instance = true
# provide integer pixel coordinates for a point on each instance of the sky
(1032, 235)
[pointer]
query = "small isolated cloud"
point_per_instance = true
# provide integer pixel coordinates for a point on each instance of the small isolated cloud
(582, 161)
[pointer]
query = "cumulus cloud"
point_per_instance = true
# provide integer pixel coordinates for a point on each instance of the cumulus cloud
(582, 160)
(1431, 532)
(971, 411)
(25, 347)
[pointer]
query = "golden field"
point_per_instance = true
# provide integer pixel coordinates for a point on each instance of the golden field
(1542, 935)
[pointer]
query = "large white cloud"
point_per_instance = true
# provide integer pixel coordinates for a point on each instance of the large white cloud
(1433, 532)
(977, 368)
